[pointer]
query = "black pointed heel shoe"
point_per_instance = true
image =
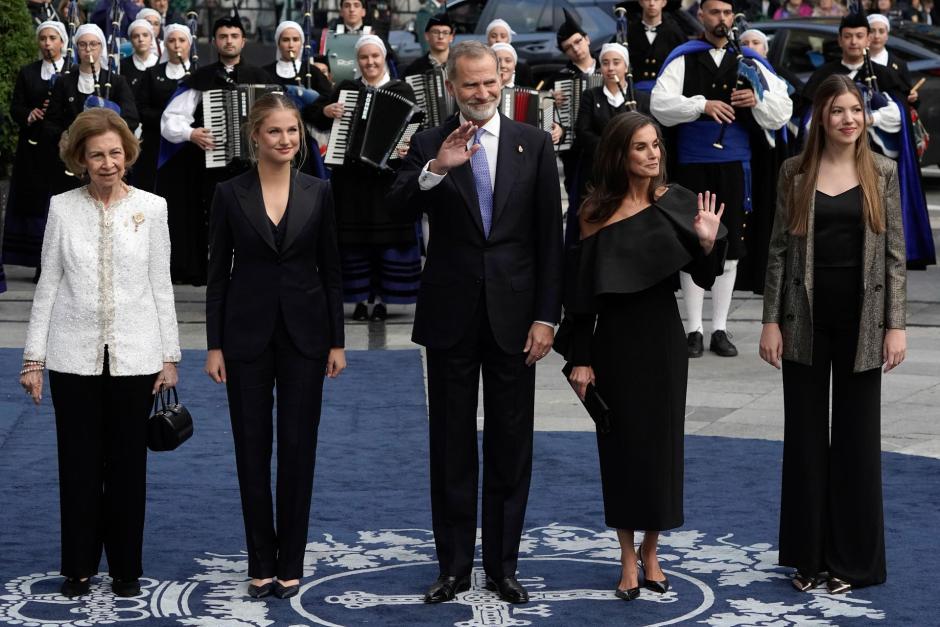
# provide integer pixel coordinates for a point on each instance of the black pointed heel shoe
(285, 592)
(259, 592)
(627, 595)
(804, 583)
(659, 587)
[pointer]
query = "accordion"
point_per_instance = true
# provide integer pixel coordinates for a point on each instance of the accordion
(432, 96)
(375, 125)
(224, 111)
(571, 90)
(529, 106)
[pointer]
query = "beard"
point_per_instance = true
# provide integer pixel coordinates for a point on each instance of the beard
(478, 112)
(720, 31)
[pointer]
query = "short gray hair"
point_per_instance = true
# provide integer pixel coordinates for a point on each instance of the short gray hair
(470, 49)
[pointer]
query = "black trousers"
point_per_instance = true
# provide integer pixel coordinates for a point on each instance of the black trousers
(101, 429)
(509, 408)
(831, 515)
(276, 550)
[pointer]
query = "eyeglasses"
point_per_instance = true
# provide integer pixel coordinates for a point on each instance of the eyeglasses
(440, 33)
(573, 44)
(89, 45)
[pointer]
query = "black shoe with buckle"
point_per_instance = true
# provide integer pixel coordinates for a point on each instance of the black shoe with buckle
(721, 345)
(379, 312)
(509, 589)
(695, 343)
(446, 588)
(73, 587)
(361, 312)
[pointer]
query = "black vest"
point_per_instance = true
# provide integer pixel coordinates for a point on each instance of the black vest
(647, 58)
(702, 78)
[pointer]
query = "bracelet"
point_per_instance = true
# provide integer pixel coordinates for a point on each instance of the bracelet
(32, 368)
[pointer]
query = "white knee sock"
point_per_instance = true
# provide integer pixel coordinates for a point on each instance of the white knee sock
(722, 291)
(694, 298)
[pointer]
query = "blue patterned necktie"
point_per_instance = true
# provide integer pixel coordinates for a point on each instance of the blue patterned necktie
(481, 176)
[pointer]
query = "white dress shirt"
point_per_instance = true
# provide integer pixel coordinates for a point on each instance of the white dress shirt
(105, 282)
(175, 71)
(287, 69)
(142, 64)
(614, 99)
(670, 107)
(47, 69)
(86, 82)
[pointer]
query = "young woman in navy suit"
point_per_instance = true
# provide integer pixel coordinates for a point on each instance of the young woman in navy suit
(274, 318)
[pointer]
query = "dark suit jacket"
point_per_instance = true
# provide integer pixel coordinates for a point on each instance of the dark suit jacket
(302, 281)
(518, 268)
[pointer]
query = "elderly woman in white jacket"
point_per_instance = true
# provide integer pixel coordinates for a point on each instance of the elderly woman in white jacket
(104, 323)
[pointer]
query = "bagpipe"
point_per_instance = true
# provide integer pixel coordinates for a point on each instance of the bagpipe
(72, 17)
(301, 91)
(748, 76)
(192, 23)
(627, 91)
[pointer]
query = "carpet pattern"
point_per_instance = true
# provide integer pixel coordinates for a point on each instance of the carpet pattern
(371, 554)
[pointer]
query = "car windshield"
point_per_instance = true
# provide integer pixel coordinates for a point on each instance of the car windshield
(526, 16)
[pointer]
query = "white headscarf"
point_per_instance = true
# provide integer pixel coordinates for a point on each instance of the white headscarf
(500, 22)
(506, 47)
(283, 26)
(617, 48)
(93, 29)
(878, 17)
(172, 28)
(139, 23)
(58, 26)
(756, 33)
(143, 13)
(374, 40)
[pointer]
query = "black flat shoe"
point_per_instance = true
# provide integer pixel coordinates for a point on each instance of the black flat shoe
(74, 587)
(721, 345)
(659, 587)
(446, 588)
(259, 592)
(129, 588)
(695, 344)
(804, 582)
(379, 312)
(509, 589)
(285, 592)
(627, 595)
(361, 312)
(837, 586)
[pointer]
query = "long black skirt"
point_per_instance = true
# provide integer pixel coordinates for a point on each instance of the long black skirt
(641, 365)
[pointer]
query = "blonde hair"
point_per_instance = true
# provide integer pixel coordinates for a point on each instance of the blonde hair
(93, 123)
(262, 108)
(799, 201)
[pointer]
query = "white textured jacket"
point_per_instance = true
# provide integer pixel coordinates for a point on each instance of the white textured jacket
(105, 282)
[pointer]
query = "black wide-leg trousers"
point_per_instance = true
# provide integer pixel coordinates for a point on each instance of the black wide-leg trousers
(276, 550)
(831, 516)
(509, 408)
(101, 430)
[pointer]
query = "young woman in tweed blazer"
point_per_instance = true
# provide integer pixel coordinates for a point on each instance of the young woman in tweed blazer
(834, 308)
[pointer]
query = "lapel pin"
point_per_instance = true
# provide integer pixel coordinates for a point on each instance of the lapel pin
(519, 147)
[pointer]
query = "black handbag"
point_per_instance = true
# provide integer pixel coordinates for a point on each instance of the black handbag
(593, 403)
(170, 425)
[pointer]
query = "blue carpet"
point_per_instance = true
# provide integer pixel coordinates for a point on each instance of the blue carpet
(371, 554)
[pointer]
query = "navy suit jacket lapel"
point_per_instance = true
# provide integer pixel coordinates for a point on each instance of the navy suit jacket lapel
(508, 161)
(300, 206)
(251, 202)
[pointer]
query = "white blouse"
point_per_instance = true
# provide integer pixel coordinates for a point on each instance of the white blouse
(105, 282)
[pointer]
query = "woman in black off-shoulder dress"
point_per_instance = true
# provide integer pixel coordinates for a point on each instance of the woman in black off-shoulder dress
(636, 235)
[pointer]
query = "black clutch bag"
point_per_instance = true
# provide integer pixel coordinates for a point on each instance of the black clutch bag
(170, 425)
(594, 404)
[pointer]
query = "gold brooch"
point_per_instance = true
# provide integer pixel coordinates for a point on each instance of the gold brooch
(138, 219)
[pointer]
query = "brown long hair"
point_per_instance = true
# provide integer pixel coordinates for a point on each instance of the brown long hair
(612, 162)
(799, 202)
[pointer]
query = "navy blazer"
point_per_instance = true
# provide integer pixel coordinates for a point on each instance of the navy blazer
(518, 268)
(250, 281)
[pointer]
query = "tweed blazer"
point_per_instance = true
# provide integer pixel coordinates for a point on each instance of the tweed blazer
(788, 290)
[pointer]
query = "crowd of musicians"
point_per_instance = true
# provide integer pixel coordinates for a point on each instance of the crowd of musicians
(444, 190)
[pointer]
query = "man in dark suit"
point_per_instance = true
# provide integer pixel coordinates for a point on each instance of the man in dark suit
(490, 296)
